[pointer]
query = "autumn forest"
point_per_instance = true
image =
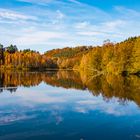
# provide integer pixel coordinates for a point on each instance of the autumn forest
(116, 58)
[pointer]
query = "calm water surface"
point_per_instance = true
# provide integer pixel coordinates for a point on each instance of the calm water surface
(65, 105)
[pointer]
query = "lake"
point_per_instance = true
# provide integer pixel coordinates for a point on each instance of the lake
(67, 105)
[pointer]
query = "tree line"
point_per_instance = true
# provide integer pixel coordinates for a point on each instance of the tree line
(12, 58)
(123, 57)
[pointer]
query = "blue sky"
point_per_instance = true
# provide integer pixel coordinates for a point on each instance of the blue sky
(47, 24)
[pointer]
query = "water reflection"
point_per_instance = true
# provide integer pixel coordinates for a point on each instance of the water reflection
(123, 88)
(57, 105)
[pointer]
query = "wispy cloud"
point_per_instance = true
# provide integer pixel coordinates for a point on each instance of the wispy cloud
(37, 37)
(40, 2)
(65, 23)
(127, 12)
(12, 15)
(112, 25)
(75, 1)
(113, 107)
(82, 25)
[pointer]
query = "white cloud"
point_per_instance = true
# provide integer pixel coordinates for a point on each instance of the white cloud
(109, 29)
(57, 17)
(75, 1)
(11, 118)
(40, 2)
(65, 23)
(60, 15)
(113, 107)
(37, 37)
(89, 33)
(112, 25)
(129, 13)
(82, 25)
(12, 15)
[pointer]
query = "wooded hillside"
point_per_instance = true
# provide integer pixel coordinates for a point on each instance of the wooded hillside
(123, 57)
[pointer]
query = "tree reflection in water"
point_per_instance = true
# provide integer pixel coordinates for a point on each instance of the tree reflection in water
(109, 86)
